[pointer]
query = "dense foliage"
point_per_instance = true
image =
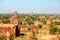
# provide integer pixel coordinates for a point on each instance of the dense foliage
(53, 30)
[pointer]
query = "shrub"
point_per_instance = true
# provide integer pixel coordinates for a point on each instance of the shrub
(22, 35)
(39, 26)
(30, 22)
(11, 37)
(2, 37)
(24, 23)
(58, 30)
(57, 23)
(53, 30)
(29, 29)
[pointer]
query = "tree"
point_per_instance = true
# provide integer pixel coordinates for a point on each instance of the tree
(57, 23)
(5, 18)
(39, 26)
(53, 30)
(29, 29)
(58, 30)
(43, 21)
(30, 22)
(5, 21)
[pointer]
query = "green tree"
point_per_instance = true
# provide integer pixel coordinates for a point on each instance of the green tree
(30, 22)
(39, 26)
(29, 29)
(53, 30)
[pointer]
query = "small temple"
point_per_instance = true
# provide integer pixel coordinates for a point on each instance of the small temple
(14, 18)
(10, 28)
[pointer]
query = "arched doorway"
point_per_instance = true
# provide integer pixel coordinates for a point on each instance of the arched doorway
(17, 31)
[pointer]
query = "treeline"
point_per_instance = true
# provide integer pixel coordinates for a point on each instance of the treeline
(4, 18)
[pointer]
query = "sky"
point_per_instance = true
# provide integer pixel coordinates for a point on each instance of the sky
(28, 6)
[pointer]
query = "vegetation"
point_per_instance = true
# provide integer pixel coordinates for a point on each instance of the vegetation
(30, 21)
(53, 30)
(2, 37)
(22, 35)
(39, 26)
(5, 18)
(29, 29)
(25, 23)
(58, 30)
(57, 23)
(21, 16)
(11, 37)
(5, 21)
(34, 35)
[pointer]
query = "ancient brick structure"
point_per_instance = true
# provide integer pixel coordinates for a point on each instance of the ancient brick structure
(7, 29)
(14, 18)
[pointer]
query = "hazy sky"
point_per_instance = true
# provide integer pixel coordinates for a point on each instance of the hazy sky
(27, 6)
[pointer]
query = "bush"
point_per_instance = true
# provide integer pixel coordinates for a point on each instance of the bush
(29, 29)
(53, 30)
(58, 30)
(11, 37)
(39, 26)
(30, 22)
(2, 37)
(57, 23)
(22, 35)
(24, 23)
(43, 21)
(5, 21)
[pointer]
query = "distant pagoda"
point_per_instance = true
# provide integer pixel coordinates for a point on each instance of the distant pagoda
(14, 18)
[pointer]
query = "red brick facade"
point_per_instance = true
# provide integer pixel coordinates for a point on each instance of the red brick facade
(4, 30)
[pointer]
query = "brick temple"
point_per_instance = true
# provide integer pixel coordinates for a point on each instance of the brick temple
(9, 29)
(14, 18)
